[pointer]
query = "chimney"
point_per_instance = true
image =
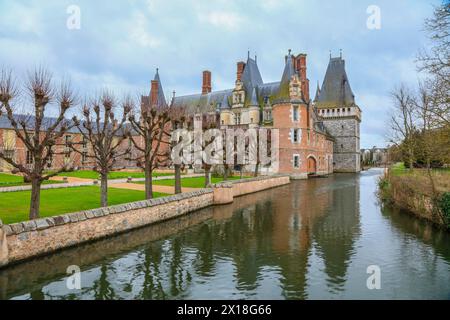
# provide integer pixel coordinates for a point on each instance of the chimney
(206, 85)
(240, 70)
(300, 67)
(154, 93)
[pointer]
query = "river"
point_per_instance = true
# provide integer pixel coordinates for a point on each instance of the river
(311, 239)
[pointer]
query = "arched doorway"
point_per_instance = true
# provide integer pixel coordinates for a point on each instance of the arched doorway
(312, 165)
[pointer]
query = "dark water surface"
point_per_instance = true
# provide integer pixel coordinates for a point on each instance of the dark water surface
(308, 240)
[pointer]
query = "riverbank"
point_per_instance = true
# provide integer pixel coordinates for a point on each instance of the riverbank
(426, 195)
(25, 240)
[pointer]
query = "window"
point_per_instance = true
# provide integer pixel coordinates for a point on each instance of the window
(30, 158)
(9, 154)
(295, 114)
(84, 143)
(68, 139)
(237, 118)
(296, 161)
(296, 135)
(84, 157)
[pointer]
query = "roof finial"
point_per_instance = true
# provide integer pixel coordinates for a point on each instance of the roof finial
(248, 54)
(289, 51)
(157, 69)
(256, 58)
(173, 94)
(340, 53)
(330, 54)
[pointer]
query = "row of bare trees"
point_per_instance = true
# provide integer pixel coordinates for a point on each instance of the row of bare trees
(107, 137)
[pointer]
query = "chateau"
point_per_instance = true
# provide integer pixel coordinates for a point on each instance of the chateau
(317, 136)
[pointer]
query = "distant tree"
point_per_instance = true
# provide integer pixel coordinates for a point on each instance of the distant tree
(152, 129)
(38, 133)
(402, 123)
(436, 62)
(105, 135)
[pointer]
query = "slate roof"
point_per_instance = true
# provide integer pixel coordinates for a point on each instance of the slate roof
(29, 119)
(336, 90)
(256, 90)
(46, 123)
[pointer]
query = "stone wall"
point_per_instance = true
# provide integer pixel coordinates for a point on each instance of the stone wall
(38, 237)
(28, 239)
(346, 153)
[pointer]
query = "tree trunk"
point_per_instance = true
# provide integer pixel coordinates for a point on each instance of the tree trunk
(225, 172)
(35, 201)
(207, 176)
(148, 181)
(104, 190)
(255, 174)
(177, 179)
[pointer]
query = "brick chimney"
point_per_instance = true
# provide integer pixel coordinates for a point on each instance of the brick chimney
(240, 70)
(300, 67)
(206, 84)
(154, 93)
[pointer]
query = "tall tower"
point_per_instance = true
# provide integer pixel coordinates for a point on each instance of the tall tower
(335, 103)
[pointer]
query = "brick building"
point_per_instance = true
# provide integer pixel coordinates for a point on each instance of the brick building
(309, 142)
(11, 145)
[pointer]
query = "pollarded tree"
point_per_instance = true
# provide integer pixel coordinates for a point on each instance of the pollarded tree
(177, 117)
(150, 138)
(105, 135)
(38, 133)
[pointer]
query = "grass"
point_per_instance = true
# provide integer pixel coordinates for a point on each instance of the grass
(418, 179)
(11, 180)
(196, 182)
(14, 206)
(90, 174)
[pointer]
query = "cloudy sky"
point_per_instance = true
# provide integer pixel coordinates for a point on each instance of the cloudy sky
(120, 43)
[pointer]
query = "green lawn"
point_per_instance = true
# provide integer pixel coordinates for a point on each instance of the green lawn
(89, 174)
(14, 206)
(399, 168)
(196, 182)
(10, 180)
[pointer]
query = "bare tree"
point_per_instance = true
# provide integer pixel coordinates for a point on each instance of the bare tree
(152, 129)
(178, 121)
(38, 133)
(105, 135)
(403, 123)
(436, 62)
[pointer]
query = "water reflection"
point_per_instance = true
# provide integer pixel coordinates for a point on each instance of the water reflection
(310, 239)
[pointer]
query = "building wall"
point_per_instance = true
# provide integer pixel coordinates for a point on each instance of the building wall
(346, 151)
(63, 155)
(310, 143)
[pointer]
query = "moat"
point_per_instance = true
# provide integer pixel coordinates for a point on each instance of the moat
(308, 240)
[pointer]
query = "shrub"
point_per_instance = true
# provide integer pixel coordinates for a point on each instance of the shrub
(384, 191)
(444, 206)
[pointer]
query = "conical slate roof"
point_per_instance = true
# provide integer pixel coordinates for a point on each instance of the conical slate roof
(288, 72)
(253, 99)
(316, 97)
(335, 91)
(161, 98)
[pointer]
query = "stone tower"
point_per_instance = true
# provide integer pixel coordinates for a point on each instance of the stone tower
(335, 103)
